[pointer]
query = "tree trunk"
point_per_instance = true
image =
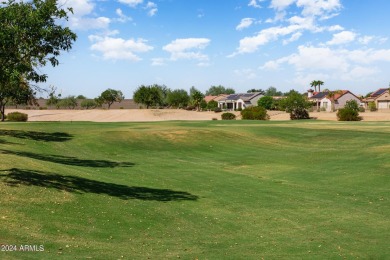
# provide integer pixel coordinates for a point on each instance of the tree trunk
(2, 110)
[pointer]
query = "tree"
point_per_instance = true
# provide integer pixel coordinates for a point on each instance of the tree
(110, 96)
(149, 95)
(253, 90)
(81, 97)
(69, 102)
(197, 98)
(218, 90)
(272, 92)
(53, 98)
(314, 84)
(88, 103)
(319, 84)
(30, 38)
(212, 105)
(16, 92)
(296, 105)
(350, 112)
(265, 102)
(178, 98)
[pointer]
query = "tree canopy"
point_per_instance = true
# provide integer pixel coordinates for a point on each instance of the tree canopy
(30, 37)
(296, 105)
(272, 92)
(178, 98)
(110, 96)
(218, 90)
(153, 95)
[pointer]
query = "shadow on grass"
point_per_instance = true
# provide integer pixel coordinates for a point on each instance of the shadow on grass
(69, 160)
(37, 136)
(5, 142)
(16, 177)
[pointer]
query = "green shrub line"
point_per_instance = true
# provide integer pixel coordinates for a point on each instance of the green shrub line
(17, 117)
(228, 116)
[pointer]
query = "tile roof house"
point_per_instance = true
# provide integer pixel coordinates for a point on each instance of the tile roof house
(333, 102)
(240, 100)
(381, 98)
(215, 98)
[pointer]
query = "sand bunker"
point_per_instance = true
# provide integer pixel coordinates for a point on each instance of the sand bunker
(146, 115)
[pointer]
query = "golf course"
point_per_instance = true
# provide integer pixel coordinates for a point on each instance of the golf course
(195, 190)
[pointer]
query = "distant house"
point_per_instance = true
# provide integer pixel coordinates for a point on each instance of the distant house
(239, 101)
(331, 102)
(381, 98)
(215, 98)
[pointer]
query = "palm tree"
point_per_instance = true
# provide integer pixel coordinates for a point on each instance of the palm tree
(319, 84)
(314, 84)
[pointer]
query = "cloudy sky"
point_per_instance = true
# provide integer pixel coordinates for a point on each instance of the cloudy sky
(240, 44)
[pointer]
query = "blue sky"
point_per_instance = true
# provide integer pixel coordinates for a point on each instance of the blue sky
(240, 44)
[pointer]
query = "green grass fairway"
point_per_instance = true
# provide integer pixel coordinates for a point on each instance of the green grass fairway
(196, 190)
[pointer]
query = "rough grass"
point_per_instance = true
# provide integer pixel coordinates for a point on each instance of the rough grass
(196, 190)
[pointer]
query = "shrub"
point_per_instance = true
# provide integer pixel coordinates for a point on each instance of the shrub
(190, 108)
(212, 105)
(348, 114)
(228, 116)
(322, 109)
(88, 103)
(42, 108)
(265, 102)
(217, 110)
(362, 109)
(352, 104)
(214, 118)
(299, 113)
(254, 113)
(372, 106)
(17, 117)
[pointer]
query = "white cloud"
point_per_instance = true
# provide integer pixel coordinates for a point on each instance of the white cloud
(342, 38)
(245, 23)
(255, 3)
(152, 8)
(121, 16)
(118, 48)
(322, 8)
(188, 48)
(80, 19)
(293, 38)
(337, 63)
(246, 73)
(334, 28)
(281, 4)
(131, 3)
(158, 62)
(366, 39)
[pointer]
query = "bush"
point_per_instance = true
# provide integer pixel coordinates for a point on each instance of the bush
(362, 109)
(190, 108)
(212, 105)
(372, 106)
(228, 116)
(254, 113)
(265, 102)
(17, 117)
(322, 109)
(348, 114)
(88, 103)
(217, 110)
(299, 113)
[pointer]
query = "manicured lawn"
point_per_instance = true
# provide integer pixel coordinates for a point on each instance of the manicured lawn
(196, 190)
